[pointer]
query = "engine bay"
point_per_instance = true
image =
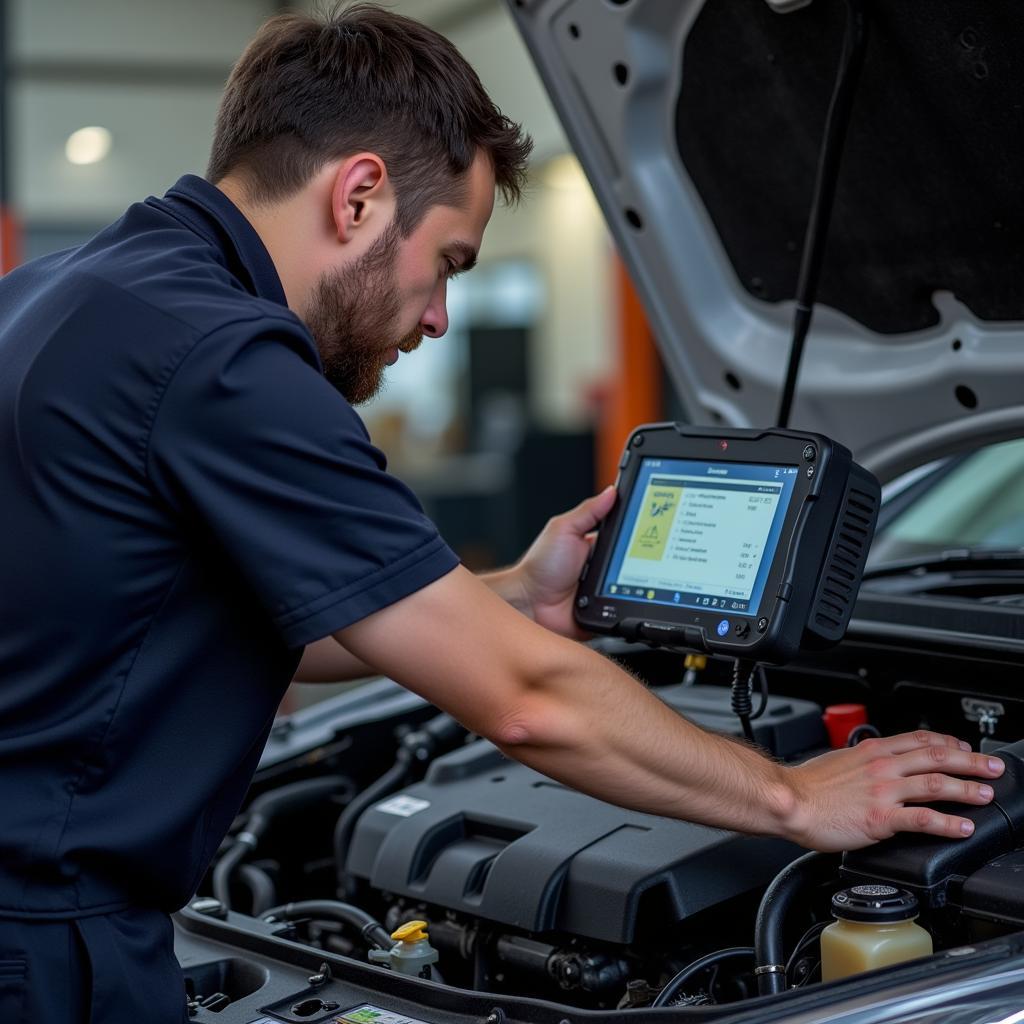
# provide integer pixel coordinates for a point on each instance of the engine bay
(372, 812)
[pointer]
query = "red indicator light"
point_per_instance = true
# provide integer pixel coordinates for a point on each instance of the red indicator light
(724, 445)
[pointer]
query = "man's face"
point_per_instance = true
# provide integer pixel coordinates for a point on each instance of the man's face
(363, 314)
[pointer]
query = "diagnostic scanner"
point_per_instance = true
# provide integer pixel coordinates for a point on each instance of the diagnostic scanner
(747, 543)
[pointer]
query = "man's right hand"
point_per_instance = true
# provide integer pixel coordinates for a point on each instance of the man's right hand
(850, 798)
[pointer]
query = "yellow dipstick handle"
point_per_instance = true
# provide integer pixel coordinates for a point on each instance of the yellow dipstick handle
(411, 931)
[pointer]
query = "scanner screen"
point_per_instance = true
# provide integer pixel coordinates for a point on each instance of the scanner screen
(700, 534)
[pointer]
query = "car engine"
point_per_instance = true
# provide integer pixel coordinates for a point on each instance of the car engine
(372, 812)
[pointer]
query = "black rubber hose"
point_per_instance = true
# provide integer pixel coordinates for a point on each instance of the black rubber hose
(225, 868)
(369, 928)
(258, 882)
(260, 814)
(789, 884)
(295, 795)
(829, 161)
(671, 990)
(416, 747)
(394, 777)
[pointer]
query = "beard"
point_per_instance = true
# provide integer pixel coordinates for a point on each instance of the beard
(352, 316)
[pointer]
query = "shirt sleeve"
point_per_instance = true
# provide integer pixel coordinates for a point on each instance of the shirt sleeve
(254, 449)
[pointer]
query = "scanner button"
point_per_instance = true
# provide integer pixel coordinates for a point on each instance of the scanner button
(741, 629)
(785, 591)
(810, 453)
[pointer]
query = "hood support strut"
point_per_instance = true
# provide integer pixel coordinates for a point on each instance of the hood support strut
(816, 236)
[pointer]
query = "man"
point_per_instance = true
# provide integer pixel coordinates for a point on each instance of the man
(189, 503)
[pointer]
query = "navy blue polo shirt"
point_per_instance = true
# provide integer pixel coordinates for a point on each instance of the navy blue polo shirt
(184, 503)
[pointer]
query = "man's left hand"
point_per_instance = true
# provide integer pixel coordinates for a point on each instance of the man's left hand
(549, 571)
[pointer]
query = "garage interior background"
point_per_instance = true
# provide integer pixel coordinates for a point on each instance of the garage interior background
(520, 411)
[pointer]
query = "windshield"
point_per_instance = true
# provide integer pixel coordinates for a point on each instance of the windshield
(978, 504)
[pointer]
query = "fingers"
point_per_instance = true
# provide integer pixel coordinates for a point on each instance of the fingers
(907, 741)
(588, 514)
(933, 786)
(931, 822)
(949, 761)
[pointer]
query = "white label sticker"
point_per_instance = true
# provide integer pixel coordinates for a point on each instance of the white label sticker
(403, 806)
(368, 1014)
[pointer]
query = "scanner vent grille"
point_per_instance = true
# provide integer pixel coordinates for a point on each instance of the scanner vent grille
(837, 589)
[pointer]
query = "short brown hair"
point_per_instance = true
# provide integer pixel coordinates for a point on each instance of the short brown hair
(311, 89)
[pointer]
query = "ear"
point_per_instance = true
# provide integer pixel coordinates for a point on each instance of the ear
(361, 195)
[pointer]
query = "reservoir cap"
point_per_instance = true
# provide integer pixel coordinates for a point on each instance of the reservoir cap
(877, 904)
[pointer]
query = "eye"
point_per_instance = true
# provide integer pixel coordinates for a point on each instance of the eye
(450, 269)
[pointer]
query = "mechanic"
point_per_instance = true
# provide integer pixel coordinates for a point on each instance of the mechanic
(190, 501)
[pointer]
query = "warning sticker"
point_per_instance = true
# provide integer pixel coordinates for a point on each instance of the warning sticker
(654, 523)
(368, 1014)
(403, 806)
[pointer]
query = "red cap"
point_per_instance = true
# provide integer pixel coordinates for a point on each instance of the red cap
(841, 720)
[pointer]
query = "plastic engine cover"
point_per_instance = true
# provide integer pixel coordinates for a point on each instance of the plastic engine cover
(496, 840)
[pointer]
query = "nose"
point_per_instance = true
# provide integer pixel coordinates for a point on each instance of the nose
(434, 322)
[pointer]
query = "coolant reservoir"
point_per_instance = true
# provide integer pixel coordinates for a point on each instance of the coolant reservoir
(874, 927)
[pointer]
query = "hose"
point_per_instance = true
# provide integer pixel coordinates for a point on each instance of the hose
(416, 747)
(261, 813)
(394, 777)
(225, 867)
(370, 929)
(671, 990)
(258, 882)
(779, 897)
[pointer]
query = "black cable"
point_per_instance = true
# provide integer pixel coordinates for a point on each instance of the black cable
(369, 928)
(672, 988)
(812, 933)
(826, 179)
(762, 685)
(742, 705)
(784, 891)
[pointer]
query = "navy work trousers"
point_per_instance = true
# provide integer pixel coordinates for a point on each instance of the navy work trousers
(109, 969)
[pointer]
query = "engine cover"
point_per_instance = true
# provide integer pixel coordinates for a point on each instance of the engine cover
(496, 840)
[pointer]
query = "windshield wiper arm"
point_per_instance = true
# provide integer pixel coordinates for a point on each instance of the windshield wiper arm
(968, 558)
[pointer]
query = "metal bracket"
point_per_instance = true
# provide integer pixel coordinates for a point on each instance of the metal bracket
(985, 712)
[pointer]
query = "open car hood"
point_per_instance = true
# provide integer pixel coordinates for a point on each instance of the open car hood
(699, 124)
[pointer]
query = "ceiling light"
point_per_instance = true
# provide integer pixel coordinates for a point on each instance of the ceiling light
(88, 145)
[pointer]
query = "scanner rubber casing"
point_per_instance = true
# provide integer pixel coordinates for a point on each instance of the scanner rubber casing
(816, 570)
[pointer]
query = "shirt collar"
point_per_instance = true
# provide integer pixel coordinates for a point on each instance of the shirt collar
(214, 216)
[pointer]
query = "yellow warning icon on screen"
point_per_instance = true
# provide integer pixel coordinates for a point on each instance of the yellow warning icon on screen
(654, 523)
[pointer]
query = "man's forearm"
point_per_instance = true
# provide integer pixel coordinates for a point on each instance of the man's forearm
(603, 733)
